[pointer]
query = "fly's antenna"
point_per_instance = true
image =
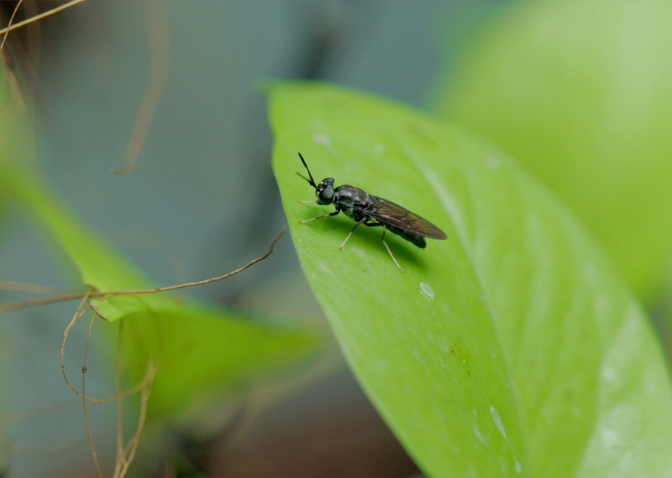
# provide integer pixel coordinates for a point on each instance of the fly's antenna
(311, 181)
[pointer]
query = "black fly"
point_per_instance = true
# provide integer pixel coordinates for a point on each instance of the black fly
(372, 211)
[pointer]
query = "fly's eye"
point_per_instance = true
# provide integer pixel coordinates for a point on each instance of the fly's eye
(325, 192)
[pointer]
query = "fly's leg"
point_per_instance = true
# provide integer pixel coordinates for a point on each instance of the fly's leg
(388, 249)
(377, 224)
(320, 217)
(359, 223)
(368, 223)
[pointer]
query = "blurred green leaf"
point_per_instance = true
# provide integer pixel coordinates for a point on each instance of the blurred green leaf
(202, 350)
(5, 444)
(510, 349)
(100, 266)
(205, 351)
(10, 145)
(579, 93)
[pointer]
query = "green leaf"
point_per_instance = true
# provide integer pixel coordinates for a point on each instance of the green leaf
(100, 266)
(510, 349)
(579, 93)
(204, 351)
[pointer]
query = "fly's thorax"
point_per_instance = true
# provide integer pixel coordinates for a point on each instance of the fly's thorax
(349, 198)
(350, 195)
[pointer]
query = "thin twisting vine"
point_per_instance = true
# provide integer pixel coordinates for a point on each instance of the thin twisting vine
(125, 452)
(62, 298)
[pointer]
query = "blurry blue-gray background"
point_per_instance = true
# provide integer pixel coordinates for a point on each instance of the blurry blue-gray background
(201, 200)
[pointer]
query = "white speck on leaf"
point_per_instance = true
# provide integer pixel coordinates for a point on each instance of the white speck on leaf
(381, 363)
(322, 139)
(503, 463)
(497, 420)
(426, 290)
(477, 432)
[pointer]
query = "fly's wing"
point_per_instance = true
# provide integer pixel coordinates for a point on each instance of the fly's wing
(394, 215)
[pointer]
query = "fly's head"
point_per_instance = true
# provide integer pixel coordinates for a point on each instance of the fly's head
(325, 192)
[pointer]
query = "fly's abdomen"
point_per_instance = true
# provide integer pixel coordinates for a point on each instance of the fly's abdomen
(418, 241)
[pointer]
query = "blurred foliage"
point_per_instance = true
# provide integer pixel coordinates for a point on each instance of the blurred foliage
(202, 350)
(512, 348)
(579, 93)
(4, 435)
